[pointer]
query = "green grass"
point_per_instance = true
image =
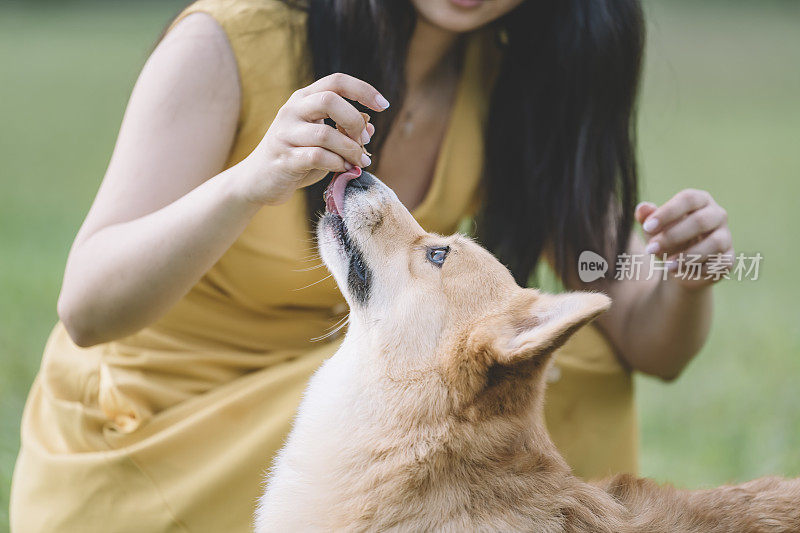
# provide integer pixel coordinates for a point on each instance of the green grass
(66, 75)
(720, 111)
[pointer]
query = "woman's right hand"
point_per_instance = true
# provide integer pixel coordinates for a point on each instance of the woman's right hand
(300, 149)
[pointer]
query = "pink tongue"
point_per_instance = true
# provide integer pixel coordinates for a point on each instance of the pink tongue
(334, 194)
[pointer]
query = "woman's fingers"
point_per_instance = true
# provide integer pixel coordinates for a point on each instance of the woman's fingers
(328, 104)
(698, 223)
(329, 138)
(691, 231)
(716, 242)
(351, 88)
(306, 158)
(299, 149)
(644, 210)
(681, 204)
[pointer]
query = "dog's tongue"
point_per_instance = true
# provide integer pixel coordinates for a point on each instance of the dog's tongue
(334, 193)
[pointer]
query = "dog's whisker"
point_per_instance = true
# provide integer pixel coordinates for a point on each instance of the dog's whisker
(308, 258)
(315, 283)
(309, 248)
(309, 269)
(336, 329)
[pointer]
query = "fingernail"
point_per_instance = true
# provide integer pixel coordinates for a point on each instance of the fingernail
(652, 248)
(347, 165)
(364, 137)
(650, 225)
(365, 160)
(640, 204)
(382, 102)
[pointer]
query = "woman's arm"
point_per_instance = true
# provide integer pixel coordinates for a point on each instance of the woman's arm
(658, 325)
(164, 213)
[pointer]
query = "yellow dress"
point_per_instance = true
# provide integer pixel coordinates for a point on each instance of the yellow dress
(171, 429)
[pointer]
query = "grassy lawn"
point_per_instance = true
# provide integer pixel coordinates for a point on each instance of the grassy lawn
(720, 111)
(66, 76)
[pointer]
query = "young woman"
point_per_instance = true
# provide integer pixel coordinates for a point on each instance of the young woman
(192, 297)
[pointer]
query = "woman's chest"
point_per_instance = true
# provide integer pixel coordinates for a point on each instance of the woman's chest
(408, 159)
(413, 146)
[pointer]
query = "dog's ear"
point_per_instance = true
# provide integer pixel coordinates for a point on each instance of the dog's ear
(516, 341)
(536, 324)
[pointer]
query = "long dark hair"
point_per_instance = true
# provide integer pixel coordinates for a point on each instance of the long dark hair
(560, 170)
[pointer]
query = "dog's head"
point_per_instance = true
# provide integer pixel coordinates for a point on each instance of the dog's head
(423, 304)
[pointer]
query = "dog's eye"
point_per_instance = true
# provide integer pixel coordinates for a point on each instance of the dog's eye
(437, 255)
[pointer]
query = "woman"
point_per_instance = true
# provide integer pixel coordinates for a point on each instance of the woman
(192, 295)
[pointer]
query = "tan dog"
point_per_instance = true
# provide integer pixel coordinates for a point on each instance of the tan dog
(429, 417)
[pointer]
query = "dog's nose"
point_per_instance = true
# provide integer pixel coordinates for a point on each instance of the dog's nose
(363, 182)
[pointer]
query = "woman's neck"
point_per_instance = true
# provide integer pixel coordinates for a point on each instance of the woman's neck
(429, 47)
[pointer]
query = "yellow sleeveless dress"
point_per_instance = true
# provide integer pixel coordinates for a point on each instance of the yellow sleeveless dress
(171, 429)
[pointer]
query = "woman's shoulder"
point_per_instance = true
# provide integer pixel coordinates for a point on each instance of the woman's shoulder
(248, 18)
(267, 38)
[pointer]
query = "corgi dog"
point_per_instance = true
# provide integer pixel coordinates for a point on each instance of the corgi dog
(429, 416)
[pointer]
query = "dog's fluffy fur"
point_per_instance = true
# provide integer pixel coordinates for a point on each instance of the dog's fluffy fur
(429, 416)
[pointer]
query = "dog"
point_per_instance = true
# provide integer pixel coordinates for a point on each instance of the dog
(429, 416)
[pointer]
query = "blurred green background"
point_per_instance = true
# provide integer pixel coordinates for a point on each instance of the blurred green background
(720, 111)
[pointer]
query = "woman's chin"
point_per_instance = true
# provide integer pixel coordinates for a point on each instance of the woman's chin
(462, 16)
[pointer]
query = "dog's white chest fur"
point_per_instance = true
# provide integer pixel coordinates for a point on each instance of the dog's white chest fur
(315, 469)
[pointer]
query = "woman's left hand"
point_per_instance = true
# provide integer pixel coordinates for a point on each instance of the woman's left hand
(690, 223)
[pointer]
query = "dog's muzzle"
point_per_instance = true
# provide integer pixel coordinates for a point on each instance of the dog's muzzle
(337, 189)
(342, 186)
